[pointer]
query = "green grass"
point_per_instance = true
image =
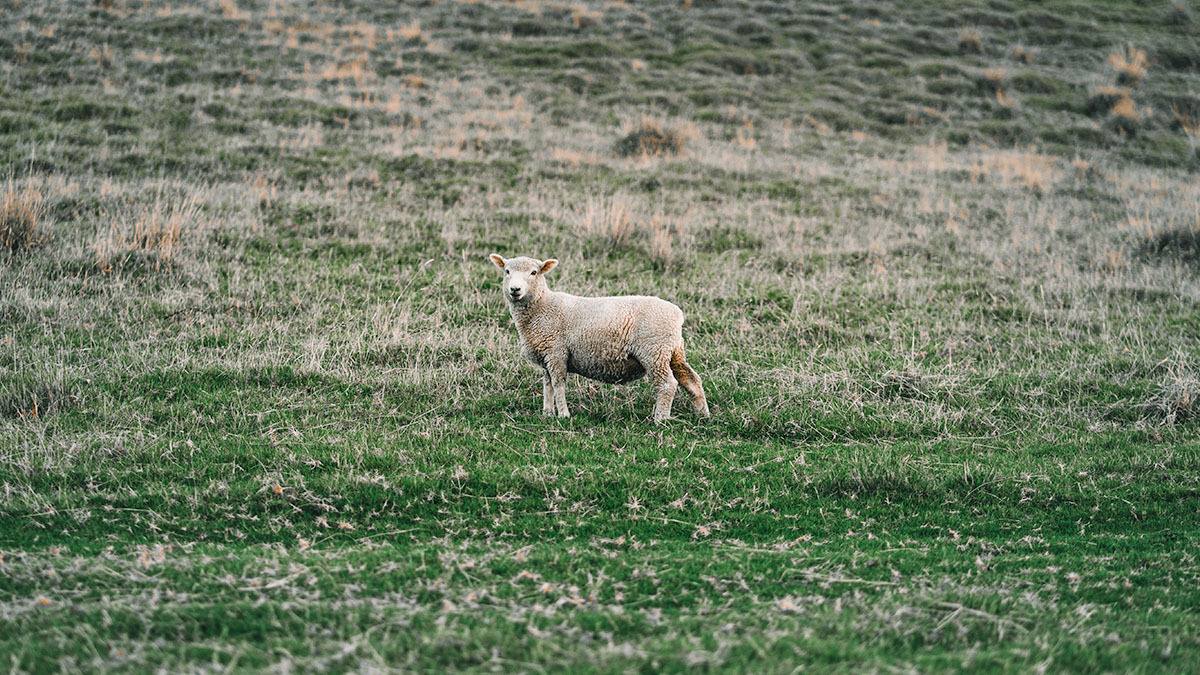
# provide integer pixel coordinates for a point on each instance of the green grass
(262, 405)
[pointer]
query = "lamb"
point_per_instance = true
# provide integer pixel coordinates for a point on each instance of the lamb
(610, 339)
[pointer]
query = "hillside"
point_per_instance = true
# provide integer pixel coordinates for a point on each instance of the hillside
(262, 404)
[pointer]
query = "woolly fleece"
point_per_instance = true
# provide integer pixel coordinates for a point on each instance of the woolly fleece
(610, 339)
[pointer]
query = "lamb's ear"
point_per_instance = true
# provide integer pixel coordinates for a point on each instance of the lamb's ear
(496, 258)
(548, 265)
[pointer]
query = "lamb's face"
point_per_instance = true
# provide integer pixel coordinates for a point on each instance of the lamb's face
(524, 278)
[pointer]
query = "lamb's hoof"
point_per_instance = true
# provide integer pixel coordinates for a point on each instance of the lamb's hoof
(548, 412)
(563, 414)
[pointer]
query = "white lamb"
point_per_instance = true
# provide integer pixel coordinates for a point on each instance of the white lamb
(613, 339)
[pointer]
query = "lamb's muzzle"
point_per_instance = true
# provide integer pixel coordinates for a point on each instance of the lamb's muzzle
(611, 339)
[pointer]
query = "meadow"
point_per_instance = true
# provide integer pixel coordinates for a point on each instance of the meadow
(262, 405)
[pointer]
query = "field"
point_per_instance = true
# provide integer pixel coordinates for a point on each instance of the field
(262, 405)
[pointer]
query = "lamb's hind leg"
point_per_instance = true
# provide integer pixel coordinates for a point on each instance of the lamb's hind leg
(690, 381)
(664, 387)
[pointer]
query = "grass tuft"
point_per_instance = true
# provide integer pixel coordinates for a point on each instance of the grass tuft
(1177, 397)
(1104, 98)
(1177, 242)
(21, 212)
(1125, 116)
(970, 41)
(26, 399)
(652, 139)
(1130, 64)
(1179, 13)
(150, 239)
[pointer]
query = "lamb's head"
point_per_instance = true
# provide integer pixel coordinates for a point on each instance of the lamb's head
(524, 278)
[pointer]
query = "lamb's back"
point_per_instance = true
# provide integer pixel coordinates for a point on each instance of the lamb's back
(615, 324)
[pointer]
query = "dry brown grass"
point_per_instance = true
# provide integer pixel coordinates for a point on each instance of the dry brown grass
(1105, 97)
(659, 247)
(414, 82)
(1188, 118)
(1177, 398)
(995, 78)
(970, 41)
(1179, 13)
(150, 238)
(651, 138)
(1125, 116)
(612, 219)
(1023, 54)
(21, 211)
(583, 17)
(1130, 65)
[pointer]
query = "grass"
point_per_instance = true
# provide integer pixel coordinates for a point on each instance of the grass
(262, 406)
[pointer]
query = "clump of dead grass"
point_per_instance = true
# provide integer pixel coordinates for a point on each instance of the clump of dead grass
(1130, 64)
(1104, 97)
(1023, 54)
(21, 212)
(1177, 396)
(583, 17)
(1187, 116)
(1085, 171)
(1125, 116)
(651, 138)
(149, 240)
(970, 41)
(1179, 13)
(1179, 241)
(610, 219)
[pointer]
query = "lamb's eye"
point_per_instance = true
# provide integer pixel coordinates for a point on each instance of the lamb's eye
(533, 273)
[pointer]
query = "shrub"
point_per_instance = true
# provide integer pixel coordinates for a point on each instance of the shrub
(21, 211)
(970, 41)
(651, 139)
(1131, 65)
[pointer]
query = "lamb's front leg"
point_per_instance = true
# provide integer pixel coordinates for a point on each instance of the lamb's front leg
(547, 394)
(556, 368)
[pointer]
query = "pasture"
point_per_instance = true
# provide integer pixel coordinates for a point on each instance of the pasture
(262, 405)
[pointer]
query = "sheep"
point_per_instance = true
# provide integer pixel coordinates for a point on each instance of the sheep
(610, 339)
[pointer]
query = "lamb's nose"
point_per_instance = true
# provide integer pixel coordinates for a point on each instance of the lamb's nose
(514, 291)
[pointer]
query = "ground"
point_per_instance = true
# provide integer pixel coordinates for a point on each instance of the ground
(262, 404)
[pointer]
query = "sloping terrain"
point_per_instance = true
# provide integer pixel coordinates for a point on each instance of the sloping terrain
(262, 405)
